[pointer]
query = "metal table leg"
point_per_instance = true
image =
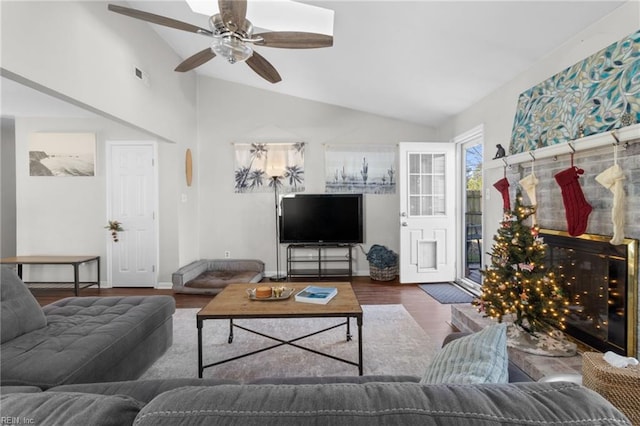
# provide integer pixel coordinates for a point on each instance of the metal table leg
(360, 366)
(200, 368)
(76, 279)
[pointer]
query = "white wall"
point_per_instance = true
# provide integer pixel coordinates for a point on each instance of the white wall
(64, 215)
(81, 52)
(497, 110)
(244, 223)
(8, 185)
(87, 53)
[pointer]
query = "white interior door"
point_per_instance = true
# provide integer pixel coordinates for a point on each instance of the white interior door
(427, 212)
(132, 182)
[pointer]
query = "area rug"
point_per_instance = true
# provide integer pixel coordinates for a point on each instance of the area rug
(393, 344)
(446, 293)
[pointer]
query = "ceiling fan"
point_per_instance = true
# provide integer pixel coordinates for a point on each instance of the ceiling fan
(233, 37)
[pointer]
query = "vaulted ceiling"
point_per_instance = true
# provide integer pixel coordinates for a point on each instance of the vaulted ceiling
(416, 61)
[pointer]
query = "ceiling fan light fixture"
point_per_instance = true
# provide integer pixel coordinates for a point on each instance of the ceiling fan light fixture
(231, 48)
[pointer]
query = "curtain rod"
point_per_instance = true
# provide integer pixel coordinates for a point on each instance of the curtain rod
(624, 135)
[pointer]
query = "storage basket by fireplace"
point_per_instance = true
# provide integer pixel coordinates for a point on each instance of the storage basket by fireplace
(383, 274)
(618, 385)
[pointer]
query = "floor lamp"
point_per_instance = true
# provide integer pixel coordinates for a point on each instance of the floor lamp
(277, 276)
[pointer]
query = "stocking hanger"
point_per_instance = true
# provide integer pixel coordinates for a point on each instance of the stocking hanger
(573, 151)
(533, 162)
(504, 169)
(616, 145)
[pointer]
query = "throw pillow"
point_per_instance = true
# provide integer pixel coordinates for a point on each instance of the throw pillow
(477, 358)
(20, 312)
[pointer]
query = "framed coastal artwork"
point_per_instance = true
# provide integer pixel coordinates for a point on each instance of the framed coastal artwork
(62, 154)
(255, 164)
(362, 169)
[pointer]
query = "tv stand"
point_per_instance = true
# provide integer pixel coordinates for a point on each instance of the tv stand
(321, 261)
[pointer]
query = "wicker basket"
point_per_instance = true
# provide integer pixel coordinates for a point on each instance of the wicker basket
(383, 274)
(618, 385)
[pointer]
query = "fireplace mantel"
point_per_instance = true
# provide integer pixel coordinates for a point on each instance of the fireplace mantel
(629, 134)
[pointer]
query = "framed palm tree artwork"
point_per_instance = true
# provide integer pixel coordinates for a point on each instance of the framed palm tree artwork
(260, 166)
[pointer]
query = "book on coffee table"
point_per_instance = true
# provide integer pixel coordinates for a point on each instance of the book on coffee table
(318, 295)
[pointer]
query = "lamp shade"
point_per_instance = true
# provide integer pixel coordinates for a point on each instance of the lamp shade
(276, 162)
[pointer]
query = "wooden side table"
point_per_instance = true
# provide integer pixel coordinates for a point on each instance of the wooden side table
(74, 261)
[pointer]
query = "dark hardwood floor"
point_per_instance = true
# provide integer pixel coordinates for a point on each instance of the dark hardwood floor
(432, 316)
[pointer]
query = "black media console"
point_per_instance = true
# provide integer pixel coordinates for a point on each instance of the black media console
(321, 261)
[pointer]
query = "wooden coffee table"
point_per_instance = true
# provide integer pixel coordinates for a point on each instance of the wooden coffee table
(233, 303)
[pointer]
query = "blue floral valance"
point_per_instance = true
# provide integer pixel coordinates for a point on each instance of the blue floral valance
(599, 94)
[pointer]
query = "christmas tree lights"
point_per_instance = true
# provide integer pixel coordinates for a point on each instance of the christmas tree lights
(517, 285)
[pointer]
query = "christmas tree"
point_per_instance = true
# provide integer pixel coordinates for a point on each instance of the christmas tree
(517, 284)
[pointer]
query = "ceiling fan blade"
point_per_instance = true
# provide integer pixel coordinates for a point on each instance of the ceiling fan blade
(196, 60)
(295, 40)
(263, 68)
(157, 19)
(233, 13)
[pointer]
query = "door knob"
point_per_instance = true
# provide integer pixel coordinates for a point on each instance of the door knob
(405, 224)
(403, 214)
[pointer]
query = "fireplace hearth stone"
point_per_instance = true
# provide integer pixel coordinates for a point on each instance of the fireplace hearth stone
(467, 318)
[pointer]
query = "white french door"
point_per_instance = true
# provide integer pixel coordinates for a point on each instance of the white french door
(427, 184)
(132, 192)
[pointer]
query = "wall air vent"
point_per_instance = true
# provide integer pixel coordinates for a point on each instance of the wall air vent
(141, 75)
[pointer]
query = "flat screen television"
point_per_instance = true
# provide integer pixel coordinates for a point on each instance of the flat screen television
(322, 219)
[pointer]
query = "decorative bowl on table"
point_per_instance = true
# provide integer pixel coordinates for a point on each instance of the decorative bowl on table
(266, 293)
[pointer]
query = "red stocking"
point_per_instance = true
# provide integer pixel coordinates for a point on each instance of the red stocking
(503, 187)
(577, 209)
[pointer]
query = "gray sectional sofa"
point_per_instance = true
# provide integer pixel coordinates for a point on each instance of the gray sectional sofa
(56, 362)
(349, 401)
(79, 339)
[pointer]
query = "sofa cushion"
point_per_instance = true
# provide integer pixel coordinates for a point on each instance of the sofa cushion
(477, 358)
(19, 389)
(20, 311)
(141, 390)
(85, 338)
(67, 409)
(381, 404)
(316, 380)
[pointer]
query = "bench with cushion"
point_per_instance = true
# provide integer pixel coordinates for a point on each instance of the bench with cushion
(79, 339)
(210, 276)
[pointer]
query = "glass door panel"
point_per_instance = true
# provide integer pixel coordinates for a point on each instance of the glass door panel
(426, 184)
(472, 221)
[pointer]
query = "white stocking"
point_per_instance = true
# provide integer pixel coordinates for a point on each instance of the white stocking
(612, 179)
(528, 183)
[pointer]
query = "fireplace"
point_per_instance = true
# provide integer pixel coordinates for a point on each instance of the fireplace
(601, 283)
